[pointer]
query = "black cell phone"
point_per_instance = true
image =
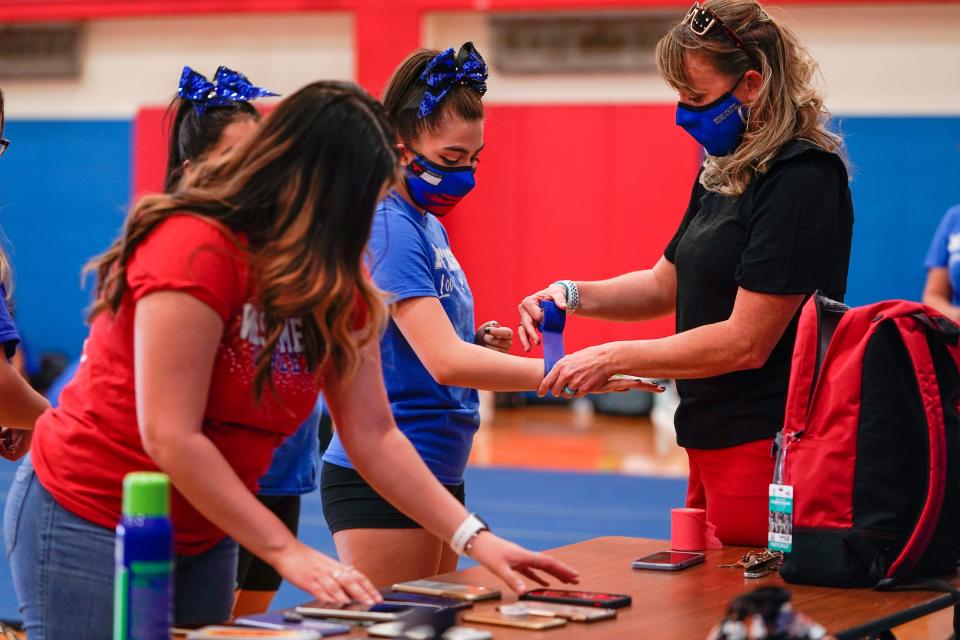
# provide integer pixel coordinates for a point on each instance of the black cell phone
(580, 598)
(668, 560)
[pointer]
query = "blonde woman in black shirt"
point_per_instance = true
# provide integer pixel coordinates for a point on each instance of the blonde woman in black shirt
(768, 223)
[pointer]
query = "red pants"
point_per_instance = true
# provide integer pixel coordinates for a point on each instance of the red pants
(733, 486)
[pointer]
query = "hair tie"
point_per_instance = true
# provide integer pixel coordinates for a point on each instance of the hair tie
(228, 87)
(447, 70)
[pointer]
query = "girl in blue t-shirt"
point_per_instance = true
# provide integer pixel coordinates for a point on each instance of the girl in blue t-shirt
(433, 354)
(20, 405)
(942, 291)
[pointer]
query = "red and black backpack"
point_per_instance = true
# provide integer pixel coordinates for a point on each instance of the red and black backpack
(872, 445)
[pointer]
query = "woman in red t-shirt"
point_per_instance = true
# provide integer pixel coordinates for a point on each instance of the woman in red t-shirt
(220, 312)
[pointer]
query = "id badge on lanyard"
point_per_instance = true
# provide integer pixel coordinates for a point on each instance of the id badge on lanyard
(780, 534)
(780, 515)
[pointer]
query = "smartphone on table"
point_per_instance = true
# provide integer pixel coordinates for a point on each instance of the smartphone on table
(570, 612)
(396, 630)
(668, 560)
(532, 623)
(467, 592)
(382, 612)
(425, 600)
(624, 382)
(294, 621)
(579, 598)
(240, 633)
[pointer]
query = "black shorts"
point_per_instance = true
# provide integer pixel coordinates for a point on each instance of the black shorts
(350, 503)
(253, 574)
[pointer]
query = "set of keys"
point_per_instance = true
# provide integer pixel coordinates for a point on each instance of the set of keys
(757, 564)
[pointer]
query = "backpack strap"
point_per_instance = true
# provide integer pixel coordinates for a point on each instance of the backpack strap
(927, 584)
(919, 350)
(946, 330)
(803, 369)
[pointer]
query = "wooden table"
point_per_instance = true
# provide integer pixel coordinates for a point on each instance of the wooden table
(687, 604)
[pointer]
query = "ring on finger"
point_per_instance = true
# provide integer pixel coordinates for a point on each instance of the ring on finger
(570, 391)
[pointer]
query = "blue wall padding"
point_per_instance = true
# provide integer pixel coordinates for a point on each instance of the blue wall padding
(906, 173)
(64, 192)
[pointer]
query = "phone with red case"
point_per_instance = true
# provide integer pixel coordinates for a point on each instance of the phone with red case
(579, 598)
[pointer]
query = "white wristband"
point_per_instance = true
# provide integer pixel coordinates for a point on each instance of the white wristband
(573, 294)
(464, 534)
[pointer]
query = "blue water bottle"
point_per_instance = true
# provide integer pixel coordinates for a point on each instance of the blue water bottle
(143, 582)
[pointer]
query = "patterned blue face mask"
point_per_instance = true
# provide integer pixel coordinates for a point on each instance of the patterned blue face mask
(437, 189)
(718, 125)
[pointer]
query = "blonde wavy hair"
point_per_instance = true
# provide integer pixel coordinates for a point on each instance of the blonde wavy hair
(302, 192)
(788, 105)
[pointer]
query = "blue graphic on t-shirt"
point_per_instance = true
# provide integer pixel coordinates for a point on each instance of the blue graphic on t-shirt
(945, 250)
(410, 257)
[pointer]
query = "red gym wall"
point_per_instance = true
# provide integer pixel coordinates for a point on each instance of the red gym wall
(579, 192)
(563, 191)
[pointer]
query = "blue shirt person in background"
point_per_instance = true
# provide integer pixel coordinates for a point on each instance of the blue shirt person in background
(942, 291)
(293, 473)
(61, 381)
(20, 405)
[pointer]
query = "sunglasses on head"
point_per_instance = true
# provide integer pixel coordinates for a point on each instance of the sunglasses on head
(702, 20)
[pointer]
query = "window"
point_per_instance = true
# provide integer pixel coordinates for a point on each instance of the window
(579, 43)
(40, 51)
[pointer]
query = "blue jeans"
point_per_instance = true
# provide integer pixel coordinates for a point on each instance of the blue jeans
(62, 569)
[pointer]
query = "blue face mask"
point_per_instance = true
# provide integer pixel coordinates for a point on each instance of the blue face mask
(717, 126)
(437, 189)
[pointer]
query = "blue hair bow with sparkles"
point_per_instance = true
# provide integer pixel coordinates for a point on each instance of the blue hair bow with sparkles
(448, 70)
(228, 87)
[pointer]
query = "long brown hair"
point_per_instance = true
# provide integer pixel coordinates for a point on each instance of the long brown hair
(302, 192)
(788, 105)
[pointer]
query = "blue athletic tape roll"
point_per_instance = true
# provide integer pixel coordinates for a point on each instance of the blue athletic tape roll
(551, 327)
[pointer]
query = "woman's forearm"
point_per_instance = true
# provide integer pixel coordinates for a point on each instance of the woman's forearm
(630, 297)
(744, 341)
(640, 295)
(469, 365)
(710, 350)
(454, 362)
(204, 477)
(20, 404)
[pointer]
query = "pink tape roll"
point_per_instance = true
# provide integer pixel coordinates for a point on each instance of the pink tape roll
(690, 531)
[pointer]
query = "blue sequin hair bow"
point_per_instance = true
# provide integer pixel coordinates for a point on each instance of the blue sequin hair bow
(228, 87)
(448, 70)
